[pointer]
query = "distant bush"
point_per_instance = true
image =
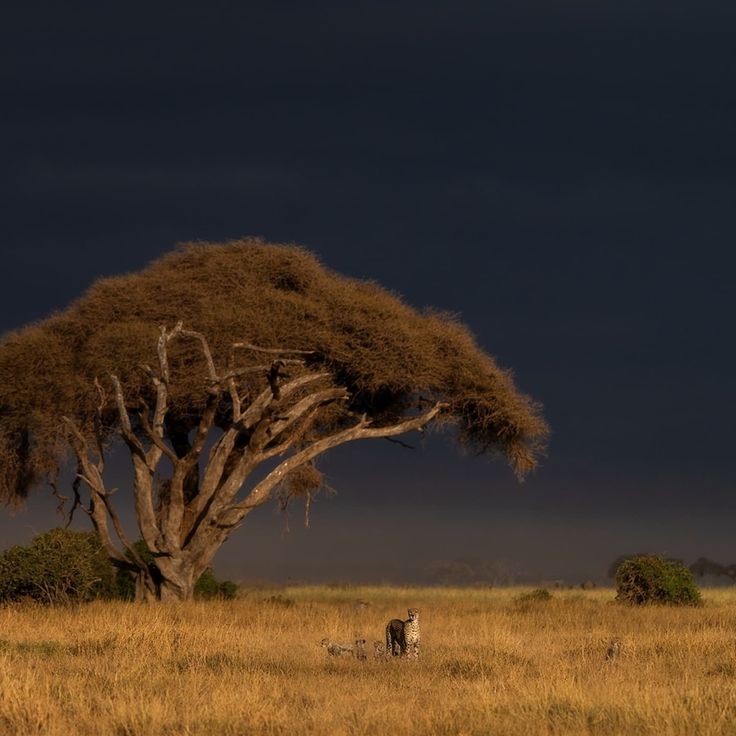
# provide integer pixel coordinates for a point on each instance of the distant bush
(533, 596)
(60, 566)
(653, 579)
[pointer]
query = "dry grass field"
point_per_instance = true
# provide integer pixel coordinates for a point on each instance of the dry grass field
(490, 665)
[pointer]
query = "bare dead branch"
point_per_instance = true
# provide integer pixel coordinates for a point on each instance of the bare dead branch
(318, 398)
(203, 429)
(126, 429)
(292, 439)
(164, 338)
(93, 479)
(271, 351)
(154, 436)
(77, 503)
(120, 531)
(232, 389)
(401, 443)
(61, 498)
(205, 349)
(144, 464)
(254, 412)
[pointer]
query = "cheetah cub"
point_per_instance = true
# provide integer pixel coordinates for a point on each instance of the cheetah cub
(614, 649)
(402, 637)
(379, 649)
(335, 649)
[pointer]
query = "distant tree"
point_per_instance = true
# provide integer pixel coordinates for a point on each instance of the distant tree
(471, 571)
(703, 566)
(218, 364)
(451, 572)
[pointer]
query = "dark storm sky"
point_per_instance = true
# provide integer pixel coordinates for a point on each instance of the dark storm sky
(562, 175)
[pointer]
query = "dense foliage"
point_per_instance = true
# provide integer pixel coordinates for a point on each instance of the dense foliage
(653, 579)
(390, 357)
(60, 566)
(63, 566)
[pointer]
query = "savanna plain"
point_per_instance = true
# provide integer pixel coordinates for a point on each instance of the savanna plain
(491, 663)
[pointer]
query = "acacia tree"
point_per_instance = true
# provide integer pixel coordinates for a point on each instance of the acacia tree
(220, 360)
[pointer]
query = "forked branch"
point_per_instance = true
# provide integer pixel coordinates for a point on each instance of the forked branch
(362, 430)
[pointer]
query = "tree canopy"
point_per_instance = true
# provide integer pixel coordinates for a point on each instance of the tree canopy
(391, 359)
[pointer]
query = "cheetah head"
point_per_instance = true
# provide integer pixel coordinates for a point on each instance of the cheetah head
(325, 642)
(413, 614)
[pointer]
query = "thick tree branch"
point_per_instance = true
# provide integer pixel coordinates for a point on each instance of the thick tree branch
(306, 421)
(92, 477)
(232, 516)
(203, 429)
(126, 429)
(205, 349)
(165, 337)
(215, 493)
(302, 407)
(232, 389)
(120, 531)
(155, 438)
(254, 413)
(144, 464)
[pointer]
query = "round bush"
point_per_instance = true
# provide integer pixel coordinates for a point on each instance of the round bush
(653, 579)
(536, 595)
(60, 566)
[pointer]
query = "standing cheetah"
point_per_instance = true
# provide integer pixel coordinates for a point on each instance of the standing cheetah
(402, 637)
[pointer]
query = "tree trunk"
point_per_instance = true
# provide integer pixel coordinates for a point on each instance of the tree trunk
(166, 591)
(154, 585)
(145, 587)
(172, 591)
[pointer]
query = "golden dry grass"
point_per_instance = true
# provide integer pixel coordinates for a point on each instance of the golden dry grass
(489, 665)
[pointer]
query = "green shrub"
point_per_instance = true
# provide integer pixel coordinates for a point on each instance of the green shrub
(63, 566)
(208, 587)
(653, 579)
(60, 566)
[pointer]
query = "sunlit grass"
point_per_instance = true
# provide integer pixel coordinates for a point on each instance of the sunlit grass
(491, 663)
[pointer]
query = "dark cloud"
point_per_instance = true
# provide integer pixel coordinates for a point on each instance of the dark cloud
(560, 175)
